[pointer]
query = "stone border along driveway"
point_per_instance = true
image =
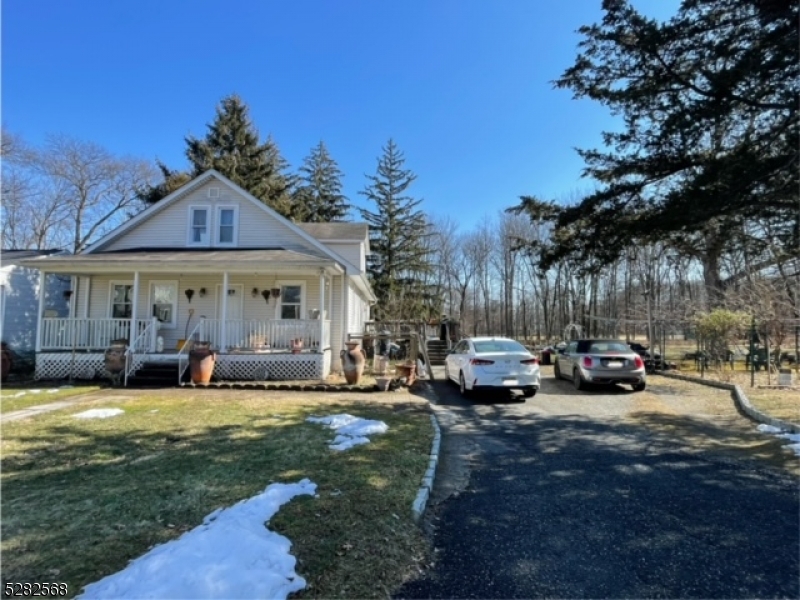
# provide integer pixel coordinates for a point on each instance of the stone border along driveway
(741, 401)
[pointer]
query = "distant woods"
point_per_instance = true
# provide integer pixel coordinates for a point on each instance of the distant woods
(695, 206)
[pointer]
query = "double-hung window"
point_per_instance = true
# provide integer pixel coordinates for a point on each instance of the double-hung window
(121, 301)
(199, 225)
(227, 225)
(291, 302)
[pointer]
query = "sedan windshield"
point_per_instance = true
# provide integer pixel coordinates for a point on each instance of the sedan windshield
(489, 346)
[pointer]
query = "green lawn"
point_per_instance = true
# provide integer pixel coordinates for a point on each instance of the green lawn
(83, 497)
(16, 397)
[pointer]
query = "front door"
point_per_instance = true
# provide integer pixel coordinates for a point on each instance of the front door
(235, 327)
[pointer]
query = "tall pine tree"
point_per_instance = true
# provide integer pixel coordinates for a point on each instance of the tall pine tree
(319, 197)
(399, 260)
(232, 147)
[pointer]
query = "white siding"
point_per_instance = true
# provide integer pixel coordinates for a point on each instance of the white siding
(352, 252)
(169, 228)
(253, 308)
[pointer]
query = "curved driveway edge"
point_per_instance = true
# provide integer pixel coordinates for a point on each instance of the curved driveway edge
(421, 501)
(741, 400)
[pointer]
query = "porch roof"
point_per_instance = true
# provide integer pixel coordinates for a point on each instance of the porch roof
(237, 260)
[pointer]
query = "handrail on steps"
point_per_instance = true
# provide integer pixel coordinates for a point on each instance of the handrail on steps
(200, 327)
(131, 349)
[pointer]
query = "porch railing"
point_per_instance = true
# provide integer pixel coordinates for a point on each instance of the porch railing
(145, 342)
(63, 333)
(272, 334)
(183, 351)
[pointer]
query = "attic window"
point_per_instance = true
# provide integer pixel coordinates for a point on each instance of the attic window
(199, 226)
(213, 192)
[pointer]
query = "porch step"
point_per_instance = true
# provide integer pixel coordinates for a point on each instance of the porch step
(437, 351)
(155, 374)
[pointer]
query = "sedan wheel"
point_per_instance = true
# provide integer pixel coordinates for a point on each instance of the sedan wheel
(577, 380)
(462, 386)
(639, 387)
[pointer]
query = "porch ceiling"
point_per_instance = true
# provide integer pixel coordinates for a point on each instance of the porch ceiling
(256, 260)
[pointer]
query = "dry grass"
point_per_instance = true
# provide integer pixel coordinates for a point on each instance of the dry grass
(705, 419)
(18, 396)
(781, 403)
(82, 498)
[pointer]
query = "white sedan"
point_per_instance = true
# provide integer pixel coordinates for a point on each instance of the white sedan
(490, 363)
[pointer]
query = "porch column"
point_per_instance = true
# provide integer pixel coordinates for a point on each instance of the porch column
(134, 313)
(321, 306)
(223, 328)
(345, 316)
(39, 325)
(85, 291)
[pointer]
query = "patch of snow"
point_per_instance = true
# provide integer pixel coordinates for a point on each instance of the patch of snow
(794, 438)
(99, 413)
(52, 391)
(35, 391)
(18, 395)
(350, 431)
(768, 428)
(231, 555)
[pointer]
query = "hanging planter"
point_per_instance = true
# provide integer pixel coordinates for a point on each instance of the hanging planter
(266, 295)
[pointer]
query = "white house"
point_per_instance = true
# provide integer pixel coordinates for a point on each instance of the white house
(211, 262)
(19, 298)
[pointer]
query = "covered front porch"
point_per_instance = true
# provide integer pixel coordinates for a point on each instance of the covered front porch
(246, 349)
(265, 320)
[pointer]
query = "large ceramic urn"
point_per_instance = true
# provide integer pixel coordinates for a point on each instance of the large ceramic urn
(114, 357)
(201, 362)
(353, 360)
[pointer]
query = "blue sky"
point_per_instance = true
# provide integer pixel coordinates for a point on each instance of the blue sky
(463, 86)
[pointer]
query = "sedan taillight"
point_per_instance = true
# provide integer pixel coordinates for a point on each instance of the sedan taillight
(638, 362)
(529, 361)
(480, 361)
(587, 362)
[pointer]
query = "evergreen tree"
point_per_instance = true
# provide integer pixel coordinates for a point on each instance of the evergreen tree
(172, 181)
(710, 127)
(232, 147)
(399, 262)
(319, 197)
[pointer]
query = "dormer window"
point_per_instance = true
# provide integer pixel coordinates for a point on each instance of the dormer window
(199, 225)
(227, 225)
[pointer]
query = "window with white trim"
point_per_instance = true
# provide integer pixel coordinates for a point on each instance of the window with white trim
(227, 225)
(164, 302)
(291, 302)
(199, 225)
(121, 300)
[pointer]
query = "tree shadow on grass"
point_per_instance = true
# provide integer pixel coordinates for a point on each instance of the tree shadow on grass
(85, 497)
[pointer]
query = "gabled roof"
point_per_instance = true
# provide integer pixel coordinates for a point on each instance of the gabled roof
(11, 256)
(357, 232)
(193, 185)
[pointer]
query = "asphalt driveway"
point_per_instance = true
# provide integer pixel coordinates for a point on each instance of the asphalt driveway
(609, 494)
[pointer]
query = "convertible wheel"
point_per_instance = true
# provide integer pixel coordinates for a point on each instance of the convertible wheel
(577, 380)
(462, 386)
(557, 371)
(639, 387)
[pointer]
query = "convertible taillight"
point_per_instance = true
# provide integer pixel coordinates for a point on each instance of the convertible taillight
(529, 361)
(638, 362)
(587, 362)
(480, 361)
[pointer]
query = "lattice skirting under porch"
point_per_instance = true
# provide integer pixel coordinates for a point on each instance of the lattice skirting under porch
(249, 367)
(62, 365)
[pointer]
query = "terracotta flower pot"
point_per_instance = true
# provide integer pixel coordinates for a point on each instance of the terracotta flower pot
(201, 362)
(297, 346)
(353, 361)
